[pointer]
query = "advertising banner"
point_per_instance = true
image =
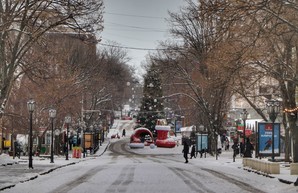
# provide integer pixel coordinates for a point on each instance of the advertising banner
(265, 139)
(202, 142)
(88, 139)
(178, 125)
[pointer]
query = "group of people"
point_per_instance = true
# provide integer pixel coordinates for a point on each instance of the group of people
(245, 150)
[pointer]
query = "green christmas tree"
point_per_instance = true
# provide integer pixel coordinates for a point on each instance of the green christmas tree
(152, 102)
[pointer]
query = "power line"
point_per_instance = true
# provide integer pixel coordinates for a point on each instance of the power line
(127, 37)
(134, 30)
(131, 48)
(136, 48)
(136, 27)
(130, 15)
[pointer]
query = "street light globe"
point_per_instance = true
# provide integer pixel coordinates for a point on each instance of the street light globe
(244, 114)
(57, 132)
(150, 85)
(201, 127)
(52, 113)
(31, 105)
(68, 119)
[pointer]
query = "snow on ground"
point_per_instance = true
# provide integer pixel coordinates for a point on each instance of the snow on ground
(224, 162)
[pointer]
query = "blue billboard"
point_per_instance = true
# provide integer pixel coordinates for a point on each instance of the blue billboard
(202, 142)
(178, 125)
(265, 139)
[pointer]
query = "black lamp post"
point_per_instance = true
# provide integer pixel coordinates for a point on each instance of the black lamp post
(67, 121)
(201, 127)
(273, 109)
(52, 113)
(244, 115)
(92, 138)
(31, 107)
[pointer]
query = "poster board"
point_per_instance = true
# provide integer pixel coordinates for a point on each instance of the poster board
(202, 141)
(178, 125)
(88, 140)
(265, 139)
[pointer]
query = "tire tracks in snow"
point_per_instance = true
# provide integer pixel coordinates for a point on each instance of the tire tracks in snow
(193, 183)
(189, 177)
(119, 149)
(78, 181)
(123, 180)
(196, 185)
(245, 186)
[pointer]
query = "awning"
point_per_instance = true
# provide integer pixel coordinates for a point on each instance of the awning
(188, 129)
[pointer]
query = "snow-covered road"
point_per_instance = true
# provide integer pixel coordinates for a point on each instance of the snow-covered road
(151, 170)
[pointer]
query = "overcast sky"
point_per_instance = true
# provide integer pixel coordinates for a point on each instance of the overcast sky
(137, 24)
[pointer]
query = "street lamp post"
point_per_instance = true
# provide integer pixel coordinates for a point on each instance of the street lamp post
(92, 138)
(84, 148)
(67, 121)
(273, 108)
(201, 127)
(31, 107)
(244, 115)
(52, 113)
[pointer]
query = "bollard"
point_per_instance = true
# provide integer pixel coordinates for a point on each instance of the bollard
(294, 168)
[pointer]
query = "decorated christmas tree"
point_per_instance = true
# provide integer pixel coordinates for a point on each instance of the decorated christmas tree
(152, 102)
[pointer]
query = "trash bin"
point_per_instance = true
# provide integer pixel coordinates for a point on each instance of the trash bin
(74, 152)
(79, 152)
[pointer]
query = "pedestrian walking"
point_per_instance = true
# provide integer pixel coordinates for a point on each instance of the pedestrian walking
(222, 140)
(185, 151)
(123, 133)
(193, 152)
(242, 147)
(235, 148)
(227, 144)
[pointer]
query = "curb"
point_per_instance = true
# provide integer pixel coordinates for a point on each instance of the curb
(268, 175)
(50, 170)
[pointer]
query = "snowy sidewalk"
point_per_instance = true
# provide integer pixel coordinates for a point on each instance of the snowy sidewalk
(224, 159)
(16, 170)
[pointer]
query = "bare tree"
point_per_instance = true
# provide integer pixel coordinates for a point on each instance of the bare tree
(23, 23)
(191, 69)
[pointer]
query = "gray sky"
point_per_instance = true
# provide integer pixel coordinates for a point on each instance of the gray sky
(137, 24)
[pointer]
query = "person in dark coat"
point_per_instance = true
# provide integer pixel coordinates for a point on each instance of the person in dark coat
(242, 147)
(248, 148)
(193, 152)
(235, 147)
(123, 133)
(185, 151)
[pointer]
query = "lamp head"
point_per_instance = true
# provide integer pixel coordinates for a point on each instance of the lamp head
(52, 113)
(68, 119)
(31, 105)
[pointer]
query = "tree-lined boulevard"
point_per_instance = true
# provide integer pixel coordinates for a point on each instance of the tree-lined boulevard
(121, 169)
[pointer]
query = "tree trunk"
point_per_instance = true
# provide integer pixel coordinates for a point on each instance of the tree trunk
(287, 145)
(292, 123)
